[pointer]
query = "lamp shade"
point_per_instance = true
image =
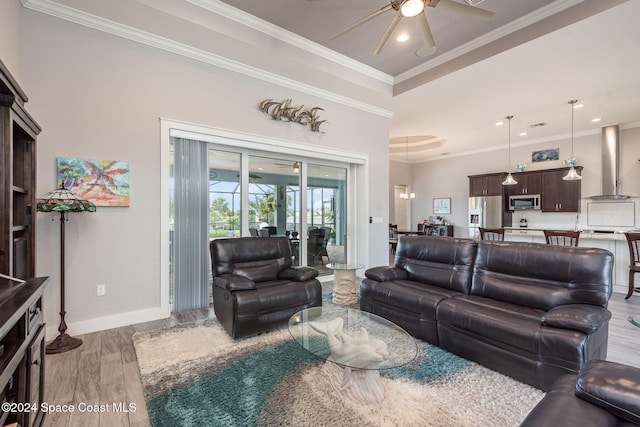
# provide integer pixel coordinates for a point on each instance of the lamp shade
(63, 200)
(509, 180)
(572, 175)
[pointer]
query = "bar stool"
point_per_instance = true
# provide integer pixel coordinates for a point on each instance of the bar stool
(562, 238)
(491, 234)
(633, 240)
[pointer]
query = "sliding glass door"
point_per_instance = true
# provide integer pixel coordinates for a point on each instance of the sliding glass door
(326, 212)
(251, 193)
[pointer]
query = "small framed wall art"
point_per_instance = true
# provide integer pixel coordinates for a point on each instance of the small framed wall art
(442, 205)
(545, 155)
(102, 182)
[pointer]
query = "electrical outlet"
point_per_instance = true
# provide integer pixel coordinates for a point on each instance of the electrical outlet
(101, 290)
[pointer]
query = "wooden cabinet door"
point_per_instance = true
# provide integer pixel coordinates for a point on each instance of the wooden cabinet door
(528, 183)
(559, 195)
(494, 184)
(486, 185)
(477, 186)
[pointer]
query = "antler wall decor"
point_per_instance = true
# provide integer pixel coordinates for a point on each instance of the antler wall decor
(285, 112)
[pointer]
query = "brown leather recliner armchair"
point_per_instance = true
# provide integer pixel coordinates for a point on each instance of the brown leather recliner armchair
(255, 286)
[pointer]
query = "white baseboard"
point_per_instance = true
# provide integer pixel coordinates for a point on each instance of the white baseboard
(109, 322)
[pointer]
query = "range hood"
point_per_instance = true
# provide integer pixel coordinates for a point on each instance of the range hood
(610, 165)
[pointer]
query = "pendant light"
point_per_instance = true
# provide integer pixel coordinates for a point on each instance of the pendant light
(572, 175)
(407, 195)
(509, 180)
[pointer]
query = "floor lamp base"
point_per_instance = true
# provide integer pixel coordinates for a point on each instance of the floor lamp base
(62, 343)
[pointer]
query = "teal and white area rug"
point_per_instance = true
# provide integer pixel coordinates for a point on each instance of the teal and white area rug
(196, 375)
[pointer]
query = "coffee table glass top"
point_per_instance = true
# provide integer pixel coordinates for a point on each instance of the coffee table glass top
(352, 338)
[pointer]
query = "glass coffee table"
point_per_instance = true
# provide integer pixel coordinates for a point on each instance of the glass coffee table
(344, 282)
(356, 345)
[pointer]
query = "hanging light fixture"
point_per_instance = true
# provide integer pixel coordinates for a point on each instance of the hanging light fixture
(412, 7)
(509, 180)
(407, 195)
(572, 175)
(296, 167)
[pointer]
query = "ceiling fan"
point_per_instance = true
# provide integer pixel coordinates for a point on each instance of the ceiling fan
(417, 10)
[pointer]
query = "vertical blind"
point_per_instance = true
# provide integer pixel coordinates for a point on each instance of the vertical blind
(191, 225)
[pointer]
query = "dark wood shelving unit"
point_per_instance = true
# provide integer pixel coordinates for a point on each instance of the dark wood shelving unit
(22, 331)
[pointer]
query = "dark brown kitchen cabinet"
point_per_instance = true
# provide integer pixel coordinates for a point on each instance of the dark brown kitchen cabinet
(528, 183)
(559, 195)
(486, 185)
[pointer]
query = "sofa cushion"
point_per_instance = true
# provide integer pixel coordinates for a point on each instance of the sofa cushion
(503, 324)
(542, 276)
(561, 407)
(612, 386)
(227, 255)
(259, 273)
(232, 282)
(445, 262)
(385, 273)
(579, 317)
(299, 274)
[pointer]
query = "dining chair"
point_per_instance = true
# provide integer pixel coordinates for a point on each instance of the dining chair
(268, 231)
(633, 240)
(491, 234)
(393, 237)
(562, 238)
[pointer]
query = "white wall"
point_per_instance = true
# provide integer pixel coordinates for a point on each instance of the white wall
(99, 96)
(10, 36)
(448, 177)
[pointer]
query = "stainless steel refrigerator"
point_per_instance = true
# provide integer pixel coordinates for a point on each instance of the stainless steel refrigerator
(485, 212)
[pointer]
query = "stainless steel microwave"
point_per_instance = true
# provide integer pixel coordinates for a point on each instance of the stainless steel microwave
(524, 201)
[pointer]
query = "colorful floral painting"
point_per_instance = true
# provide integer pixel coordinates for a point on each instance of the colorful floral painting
(102, 182)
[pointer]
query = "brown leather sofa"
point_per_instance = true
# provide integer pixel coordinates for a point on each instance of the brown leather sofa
(532, 311)
(255, 286)
(603, 394)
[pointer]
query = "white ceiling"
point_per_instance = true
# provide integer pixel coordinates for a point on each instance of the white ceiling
(529, 60)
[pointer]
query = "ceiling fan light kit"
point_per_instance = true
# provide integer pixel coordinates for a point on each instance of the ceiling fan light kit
(416, 9)
(411, 8)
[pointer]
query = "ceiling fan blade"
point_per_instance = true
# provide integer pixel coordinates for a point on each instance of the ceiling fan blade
(392, 26)
(429, 44)
(362, 21)
(473, 11)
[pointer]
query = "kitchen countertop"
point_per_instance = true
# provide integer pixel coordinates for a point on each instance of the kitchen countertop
(586, 234)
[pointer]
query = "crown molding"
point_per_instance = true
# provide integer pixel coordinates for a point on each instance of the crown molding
(505, 30)
(76, 16)
(244, 18)
(417, 158)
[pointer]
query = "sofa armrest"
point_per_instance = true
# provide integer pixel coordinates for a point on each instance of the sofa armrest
(578, 317)
(612, 386)
(385, 273)
(234, 282)
(298, 274)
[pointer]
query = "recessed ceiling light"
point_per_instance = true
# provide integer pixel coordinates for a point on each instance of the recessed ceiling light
(597, 119)
(523, 134)
(403, 37)
(578, 106)
(499, 123)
